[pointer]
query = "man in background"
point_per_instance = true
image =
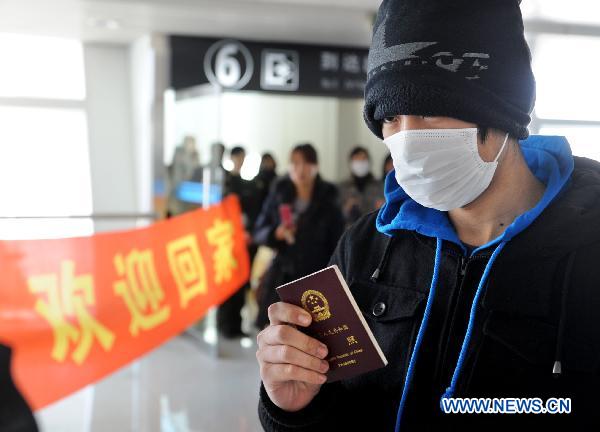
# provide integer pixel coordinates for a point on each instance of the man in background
(361, 193)
(229, 318)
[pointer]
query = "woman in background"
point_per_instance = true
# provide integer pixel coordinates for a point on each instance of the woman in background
(301, 221)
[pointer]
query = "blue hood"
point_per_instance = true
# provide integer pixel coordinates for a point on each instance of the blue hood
(549, 158)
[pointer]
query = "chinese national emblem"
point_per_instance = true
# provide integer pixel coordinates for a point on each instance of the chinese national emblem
(316, 304)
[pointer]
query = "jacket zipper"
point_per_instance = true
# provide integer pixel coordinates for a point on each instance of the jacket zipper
(463, 264)
(463, 267)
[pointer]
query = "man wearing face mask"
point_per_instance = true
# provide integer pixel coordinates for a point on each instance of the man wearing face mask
(479, 277)
(361, 193)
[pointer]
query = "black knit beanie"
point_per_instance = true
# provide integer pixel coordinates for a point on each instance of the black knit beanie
(465, 59)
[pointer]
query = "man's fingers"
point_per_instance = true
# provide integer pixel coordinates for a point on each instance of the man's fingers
(287, 335)
(273, 373)
(285, 313)
(285, 354)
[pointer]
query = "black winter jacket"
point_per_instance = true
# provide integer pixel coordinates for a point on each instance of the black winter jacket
(541, 305)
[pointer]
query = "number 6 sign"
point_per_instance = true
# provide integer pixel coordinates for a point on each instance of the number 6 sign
(228, 64)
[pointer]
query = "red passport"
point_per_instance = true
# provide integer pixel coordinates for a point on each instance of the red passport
(337, 322)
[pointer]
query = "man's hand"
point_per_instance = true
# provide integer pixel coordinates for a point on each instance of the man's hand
(292, 365)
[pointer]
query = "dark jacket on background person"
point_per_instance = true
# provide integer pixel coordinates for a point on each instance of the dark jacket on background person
(247, 194)
(262, 185)
(15, 414)
(539, 304)
(319, 228)
(229, 318)
(366, 191)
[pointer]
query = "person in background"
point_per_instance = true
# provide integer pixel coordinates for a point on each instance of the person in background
(229, 319)
(233, 178)
(263, 182)
(301, 221)
(216, 172)
(244, 189)
(388, 165)
(185, 162)
(264, 179)
(361, 193)
(217, 150)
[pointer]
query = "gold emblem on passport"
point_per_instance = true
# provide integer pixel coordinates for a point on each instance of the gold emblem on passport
(316, 304)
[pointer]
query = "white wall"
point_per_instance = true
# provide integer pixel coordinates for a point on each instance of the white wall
(125, 86)
(110, 136)
(198, 117)
(149, 78)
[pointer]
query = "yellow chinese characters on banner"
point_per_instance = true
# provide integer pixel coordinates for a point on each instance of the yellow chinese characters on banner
(187, 267)
(64, 299)
(220, 235)
(141, 291)
(75, 310)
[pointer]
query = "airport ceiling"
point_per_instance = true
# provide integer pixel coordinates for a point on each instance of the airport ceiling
(345, 22)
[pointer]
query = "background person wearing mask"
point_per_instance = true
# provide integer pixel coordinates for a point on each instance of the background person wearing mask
(479, 276)
(361, 193)
(267, 173)
(304, 244)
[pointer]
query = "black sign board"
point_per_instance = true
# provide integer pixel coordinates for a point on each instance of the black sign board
(268, 67)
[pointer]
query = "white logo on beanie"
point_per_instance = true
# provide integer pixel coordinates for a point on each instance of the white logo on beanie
(470, 63)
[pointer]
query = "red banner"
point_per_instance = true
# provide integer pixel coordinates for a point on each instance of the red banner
(75, 310)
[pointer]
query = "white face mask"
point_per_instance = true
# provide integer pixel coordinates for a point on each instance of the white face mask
(441, 168)
(360, 168)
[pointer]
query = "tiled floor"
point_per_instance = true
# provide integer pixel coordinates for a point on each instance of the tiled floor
(179, 387)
